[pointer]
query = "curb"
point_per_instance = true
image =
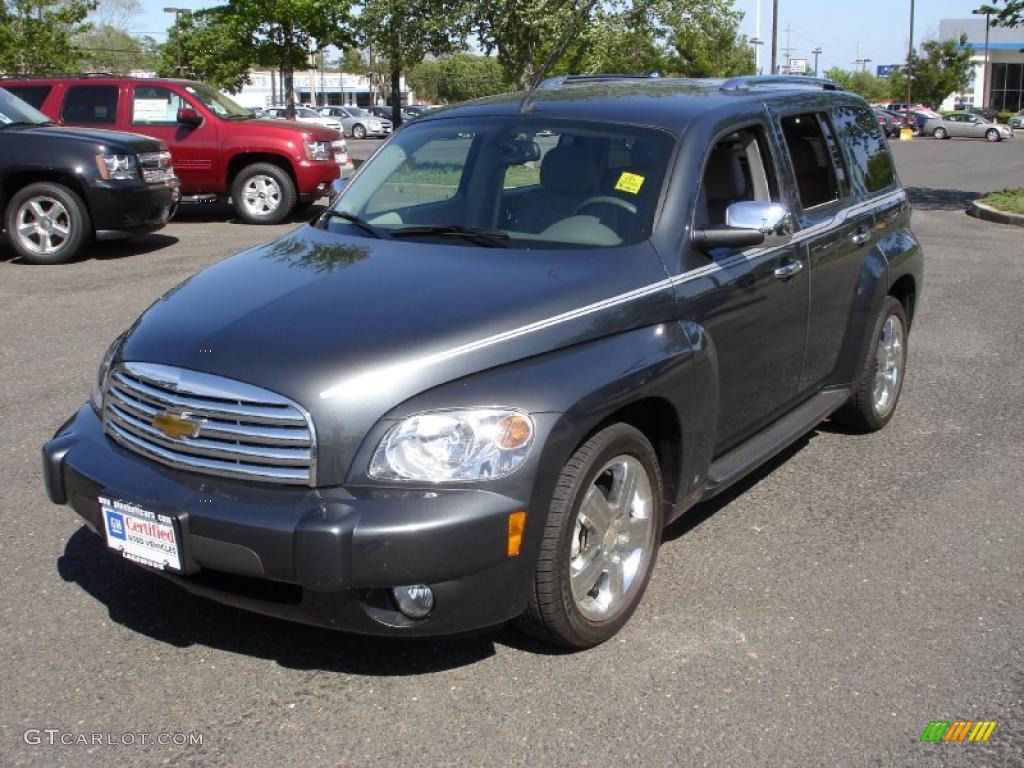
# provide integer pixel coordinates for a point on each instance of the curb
(988, 213)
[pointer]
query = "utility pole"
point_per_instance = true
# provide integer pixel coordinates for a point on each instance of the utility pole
(788, 50)
(775, 37)
(177, 36)
(984, 67)
(817, 53)
(756, 39)
(910, 64)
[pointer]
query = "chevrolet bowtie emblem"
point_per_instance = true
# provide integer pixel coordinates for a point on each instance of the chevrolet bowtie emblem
(177, 425)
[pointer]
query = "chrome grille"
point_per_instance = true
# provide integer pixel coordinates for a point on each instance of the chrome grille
(241, 431)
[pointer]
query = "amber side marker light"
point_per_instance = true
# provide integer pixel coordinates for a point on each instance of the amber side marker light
(516, 526)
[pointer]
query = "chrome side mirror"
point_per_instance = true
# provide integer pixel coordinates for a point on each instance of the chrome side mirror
(773, 220)
(336, 188)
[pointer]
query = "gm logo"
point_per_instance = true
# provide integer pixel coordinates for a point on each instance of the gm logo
(958, 730)
(115, 525)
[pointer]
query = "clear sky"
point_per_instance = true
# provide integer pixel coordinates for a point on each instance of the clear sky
(837, 26)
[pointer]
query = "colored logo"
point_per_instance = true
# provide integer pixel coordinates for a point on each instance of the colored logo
(958, 730)
(177, 425)
(115, 525)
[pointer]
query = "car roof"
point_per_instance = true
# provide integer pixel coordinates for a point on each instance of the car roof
(668, 103)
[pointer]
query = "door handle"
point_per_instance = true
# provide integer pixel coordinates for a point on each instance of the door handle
(861, 236)
(788, 269)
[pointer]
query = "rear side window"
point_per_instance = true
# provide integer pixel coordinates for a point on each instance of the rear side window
(811, 155)
(90, 105)
(869, 151)
(33, 94)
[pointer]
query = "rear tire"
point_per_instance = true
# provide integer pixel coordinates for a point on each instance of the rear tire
(263, 193)
(600, 542)
(47, 223)
(877, 390)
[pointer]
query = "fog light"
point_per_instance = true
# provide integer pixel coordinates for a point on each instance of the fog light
(415, 601)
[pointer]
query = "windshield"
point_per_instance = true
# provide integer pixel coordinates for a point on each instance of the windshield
(217, 102)
(358, 112)
(540, 183)
(306, 112)
(14, 110)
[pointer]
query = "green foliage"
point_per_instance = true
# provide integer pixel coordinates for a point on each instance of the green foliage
(1004, 117)
(213, 48)
(943, 67)
(38, 37)
(704, 39)
(1010, 200)
(108, 49)
(865, 84)
(1008, 13)
(457, 78)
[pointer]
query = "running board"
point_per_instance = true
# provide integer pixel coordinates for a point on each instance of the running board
(741, 460)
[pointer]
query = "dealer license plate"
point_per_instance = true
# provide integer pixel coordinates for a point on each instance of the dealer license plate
(141, 536)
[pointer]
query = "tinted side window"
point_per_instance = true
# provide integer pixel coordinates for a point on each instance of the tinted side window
(90, 105)
(152, 105)
(812, 162)
(869, 151)
(33, 94)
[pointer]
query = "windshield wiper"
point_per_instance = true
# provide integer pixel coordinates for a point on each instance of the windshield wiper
(493, 238)
(356, 221)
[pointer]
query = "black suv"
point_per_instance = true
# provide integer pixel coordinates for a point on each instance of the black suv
(524, 339)
(59, 187)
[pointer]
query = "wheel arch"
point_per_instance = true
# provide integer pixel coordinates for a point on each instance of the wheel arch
(904, 290)
(243, 159)
(17, 180)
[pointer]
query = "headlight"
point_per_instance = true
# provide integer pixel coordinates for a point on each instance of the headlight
(437, 446)
(96, 397)
(318, 150)
(117, 166)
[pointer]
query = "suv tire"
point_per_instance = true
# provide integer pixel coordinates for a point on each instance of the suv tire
(877, 389)
(263, 193)
(47, 223)
(600, 542)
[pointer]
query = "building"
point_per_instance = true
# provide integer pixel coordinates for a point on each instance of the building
(313, 87)
(1000, 85)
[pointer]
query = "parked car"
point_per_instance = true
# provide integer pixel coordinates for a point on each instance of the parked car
(220, 149)
(306, 115)
(480, 393)
(1017, 121)
(61, 187)
(918, 118)
(358, 123)
(966, 125)
(889, 122)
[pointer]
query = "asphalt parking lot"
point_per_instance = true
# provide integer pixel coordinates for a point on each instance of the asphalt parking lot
(820, 614)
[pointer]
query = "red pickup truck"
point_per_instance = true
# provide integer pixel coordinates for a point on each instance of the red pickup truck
(219, 149)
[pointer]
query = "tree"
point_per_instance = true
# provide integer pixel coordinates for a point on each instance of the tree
(873, 89)
(457, 78)
(943, 67)
(1008, 13)
(625, 39)
(108, 49)
(704, 38)
(214, 49)
(403, 32)
(424, 79)
(529, 36)
(38, 37)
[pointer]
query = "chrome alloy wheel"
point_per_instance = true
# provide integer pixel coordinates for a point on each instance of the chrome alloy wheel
(888, 366)
(43, 225)
(612, 540)
(261, 195)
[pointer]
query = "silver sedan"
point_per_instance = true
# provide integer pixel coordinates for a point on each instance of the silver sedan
(358, 123)
(966, 125)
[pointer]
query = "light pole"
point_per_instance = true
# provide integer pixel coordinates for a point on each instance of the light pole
(177, 35)
(864, 64)
(910, 66)
(984, 68)
(775, 36)
(757, 43)
(817, 53)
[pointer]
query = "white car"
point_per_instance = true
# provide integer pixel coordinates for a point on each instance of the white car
(306, 115)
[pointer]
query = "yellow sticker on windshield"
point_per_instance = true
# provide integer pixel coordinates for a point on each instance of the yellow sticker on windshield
(629, 182)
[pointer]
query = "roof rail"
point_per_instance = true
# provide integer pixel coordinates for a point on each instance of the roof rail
(746, 82)
(553, 82)
(47, 75)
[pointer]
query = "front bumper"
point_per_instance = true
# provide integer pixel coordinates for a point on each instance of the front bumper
(320, 556)
(131, 207)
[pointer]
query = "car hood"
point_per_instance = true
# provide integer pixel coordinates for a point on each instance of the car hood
(102, 139)
(350, 327)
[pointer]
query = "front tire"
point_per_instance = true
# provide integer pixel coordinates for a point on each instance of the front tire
(992, 135)
(878, 388)
(263, 193)
(600, 542)
(358, 131)
(47, 223)
(940, 133)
